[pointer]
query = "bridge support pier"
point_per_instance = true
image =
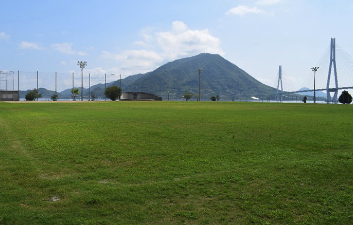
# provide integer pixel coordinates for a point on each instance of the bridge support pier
(332, 64)
(279, 83)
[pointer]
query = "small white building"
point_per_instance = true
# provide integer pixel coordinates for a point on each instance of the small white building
(139, 96)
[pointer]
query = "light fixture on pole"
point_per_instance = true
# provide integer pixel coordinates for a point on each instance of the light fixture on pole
(82, 65)
(314, 69)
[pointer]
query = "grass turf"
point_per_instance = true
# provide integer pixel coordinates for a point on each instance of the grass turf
(175, 163)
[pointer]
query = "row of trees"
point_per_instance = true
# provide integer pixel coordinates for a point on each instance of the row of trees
(188, 96)
(112, 92)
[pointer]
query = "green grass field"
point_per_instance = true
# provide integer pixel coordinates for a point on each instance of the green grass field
(175, 163)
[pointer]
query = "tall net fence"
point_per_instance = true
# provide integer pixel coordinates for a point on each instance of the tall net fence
(54, 82)
(7, 81)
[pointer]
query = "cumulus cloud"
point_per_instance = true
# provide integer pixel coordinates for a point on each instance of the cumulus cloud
(181, 41)
(4, 36)
(242, 10)
(162, 46)
(66, 48)
(268, 2)
(30, 45)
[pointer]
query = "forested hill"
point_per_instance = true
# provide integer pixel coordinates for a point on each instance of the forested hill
(218, 77)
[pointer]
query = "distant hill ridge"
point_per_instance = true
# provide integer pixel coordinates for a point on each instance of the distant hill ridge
(218, 77)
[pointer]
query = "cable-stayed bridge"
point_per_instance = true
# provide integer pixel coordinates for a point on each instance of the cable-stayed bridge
(334, 72)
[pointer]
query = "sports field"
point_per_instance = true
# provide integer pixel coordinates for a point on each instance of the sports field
(175, 163)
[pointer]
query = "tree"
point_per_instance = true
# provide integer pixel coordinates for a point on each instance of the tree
(196, 96)
(218, 98)
(75, 93)
(213, 98)
(345, 97)
(93, 96)
(54, 97)
(113, 92)
(187, 96)
(32, 95)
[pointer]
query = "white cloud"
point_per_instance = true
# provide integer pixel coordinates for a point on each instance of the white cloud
(268, 2)
(140, 43)
(243, 10)
(163, 46)
(135, 61)
(4, 36)
(66, 48)
(179, 27)
(30, 45)
(182, 41)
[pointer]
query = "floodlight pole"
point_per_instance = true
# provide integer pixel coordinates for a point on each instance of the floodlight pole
(82, 65)
(200, 70)
(314, 69)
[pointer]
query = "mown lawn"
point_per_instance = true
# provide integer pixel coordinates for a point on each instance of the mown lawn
(175, 163)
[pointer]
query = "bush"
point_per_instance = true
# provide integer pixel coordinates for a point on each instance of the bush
(75, 93)
(32, 95)
(54, 97)
(345, 98)
(187, 96)
(113, 92)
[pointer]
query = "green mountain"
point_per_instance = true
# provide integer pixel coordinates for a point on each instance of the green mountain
(218, 77)
(174, 79)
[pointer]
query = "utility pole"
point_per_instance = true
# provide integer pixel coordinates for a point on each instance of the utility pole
(37, 87)
(82, 65)
(105, 86)
(56, 83)
(314, 69)
(89, 86)
(200, 70)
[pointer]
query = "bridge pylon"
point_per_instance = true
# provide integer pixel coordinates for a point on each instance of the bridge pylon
(279, 89)
(332, 64)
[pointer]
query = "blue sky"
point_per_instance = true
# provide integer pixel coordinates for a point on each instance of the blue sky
(137, 36)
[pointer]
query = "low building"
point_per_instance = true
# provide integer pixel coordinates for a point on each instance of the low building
(9, 95)
(139, 96)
